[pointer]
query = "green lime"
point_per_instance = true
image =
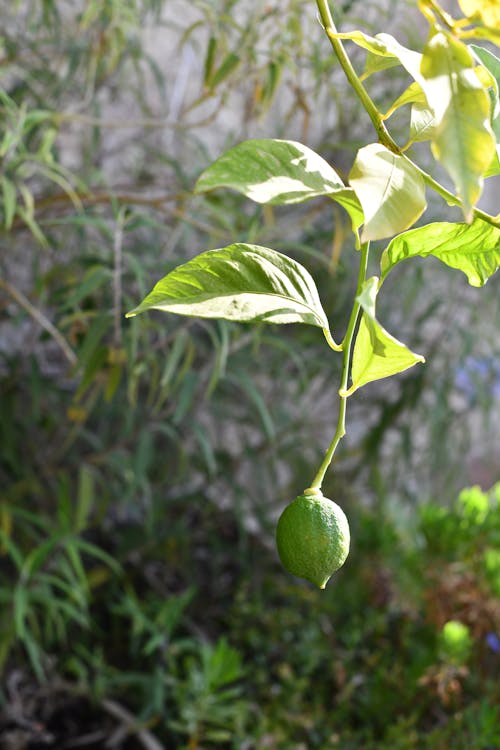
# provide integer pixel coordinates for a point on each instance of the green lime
(313, 537)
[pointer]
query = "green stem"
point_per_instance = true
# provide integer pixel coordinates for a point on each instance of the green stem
(383, 134)
(347, 344)
(352, 76)
(451, 198)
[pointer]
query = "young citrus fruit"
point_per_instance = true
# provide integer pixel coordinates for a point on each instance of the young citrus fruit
(313, 537)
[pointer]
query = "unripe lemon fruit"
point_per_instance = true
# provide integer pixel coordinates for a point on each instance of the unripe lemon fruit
(313, 537)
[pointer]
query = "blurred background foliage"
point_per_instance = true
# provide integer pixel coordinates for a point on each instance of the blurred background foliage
(144, 461)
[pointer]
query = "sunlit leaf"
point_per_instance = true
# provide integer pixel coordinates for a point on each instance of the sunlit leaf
(385, 45)
(494, 167)
(463, 139)
(486, 11)
(492, 64)
(422, 123)
(489, 33)
(242, 283)
(375, 63)
(391, 191)
(376, 354)
(410, 95)
(473, 248)
(280, 173)
(271, 171)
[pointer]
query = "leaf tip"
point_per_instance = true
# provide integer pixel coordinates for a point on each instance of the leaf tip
(197, 189)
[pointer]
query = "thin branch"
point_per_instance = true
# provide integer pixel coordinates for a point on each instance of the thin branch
(40, 318)
(117, 278)
(132, 725)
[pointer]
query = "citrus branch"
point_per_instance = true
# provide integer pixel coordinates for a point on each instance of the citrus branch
(371, 109)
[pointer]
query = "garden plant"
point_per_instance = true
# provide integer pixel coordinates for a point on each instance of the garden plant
(453, 105)
(144, 461)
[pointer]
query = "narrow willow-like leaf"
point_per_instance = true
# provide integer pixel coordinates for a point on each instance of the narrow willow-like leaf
(473, 248)
(244, 283)
(9, 201)
(376, 354)
(278, 172)
(391, 191)
(228, 65)
(463, 139)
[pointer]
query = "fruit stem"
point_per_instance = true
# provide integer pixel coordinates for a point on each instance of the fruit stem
(347, 344)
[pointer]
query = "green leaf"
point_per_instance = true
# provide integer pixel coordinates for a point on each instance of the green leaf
(410, 95)
(385, 45)
(473, 248)
(271, 171)
(9, 201)
(228, 65)
(492, 63)
(244, 283)
(422, 123)
(463, 139)
(376, 354)
(278, 172)
(494, 167)
(375, 63)
(485, 11)
(391, 191)
(20, 602)
(488, 33)
(209, 60)
(85, 497)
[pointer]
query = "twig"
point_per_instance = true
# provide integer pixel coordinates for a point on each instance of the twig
(117, 277)
(40, 318)
(117, 711)
(87, 739)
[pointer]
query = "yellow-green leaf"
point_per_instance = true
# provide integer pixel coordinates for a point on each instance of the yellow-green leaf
(278, 172)
(385, 45)
(413, 94)
(463, 139)
(422, 123)
(391, 191)
(240, 282)
(376, 354)
(486, 11)
(473, 248)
